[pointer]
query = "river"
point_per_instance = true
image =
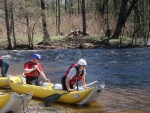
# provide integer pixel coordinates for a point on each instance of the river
(125, 72)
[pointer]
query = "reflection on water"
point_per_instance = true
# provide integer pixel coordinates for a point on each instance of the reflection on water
(124, 71)
(114, 100)
(130, 100)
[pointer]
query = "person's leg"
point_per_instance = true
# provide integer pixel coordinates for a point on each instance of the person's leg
(63, 83)
(5, 67)
(71, 86)
(29, 80)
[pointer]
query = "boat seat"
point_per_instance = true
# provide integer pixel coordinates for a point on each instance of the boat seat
(57, 86)
(23, 79)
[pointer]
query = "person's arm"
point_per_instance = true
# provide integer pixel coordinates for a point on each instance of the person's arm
(40, 70)
(71, 73)
(43, 76)
(83, 80)
(26, 70)
(68, 85)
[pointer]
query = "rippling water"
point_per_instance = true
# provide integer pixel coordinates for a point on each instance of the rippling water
(125, 72)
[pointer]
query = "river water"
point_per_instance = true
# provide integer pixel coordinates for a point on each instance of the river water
(125, 72)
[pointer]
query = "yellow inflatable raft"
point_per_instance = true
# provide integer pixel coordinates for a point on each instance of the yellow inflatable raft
(76, 97)
(13, 102)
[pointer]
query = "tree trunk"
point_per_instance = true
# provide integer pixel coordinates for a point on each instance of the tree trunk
(28, 31)
(65, 5)
(78, 7)
(46, 38)
(149, 20)
(123, 16)
(108, 32)
(12, 23)
(83, 18)
(10, 46)
(71, 9)
(102, 8)
(57, 17)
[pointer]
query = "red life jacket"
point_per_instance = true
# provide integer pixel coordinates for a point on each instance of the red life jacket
(78, 75)
(31, 65)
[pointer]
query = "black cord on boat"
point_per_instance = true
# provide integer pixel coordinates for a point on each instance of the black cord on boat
(77, 85)
(101, 81)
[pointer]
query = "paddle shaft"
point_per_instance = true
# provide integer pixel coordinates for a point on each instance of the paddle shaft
(91, 83)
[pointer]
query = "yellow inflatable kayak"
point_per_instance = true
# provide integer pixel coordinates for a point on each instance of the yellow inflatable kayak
(76, 97)
(13, 102)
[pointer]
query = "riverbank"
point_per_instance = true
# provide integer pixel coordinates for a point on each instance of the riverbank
(73, 43)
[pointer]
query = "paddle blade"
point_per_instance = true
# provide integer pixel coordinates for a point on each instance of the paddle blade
(51, 98)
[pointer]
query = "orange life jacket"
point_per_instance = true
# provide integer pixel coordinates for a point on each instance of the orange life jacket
(78, 75)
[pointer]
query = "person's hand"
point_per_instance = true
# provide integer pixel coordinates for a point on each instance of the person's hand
(70, 90)
(47, 80)
(35, 67)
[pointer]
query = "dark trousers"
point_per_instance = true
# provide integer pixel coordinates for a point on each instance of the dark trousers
(63, 83)
(29, 79)
(4, 67)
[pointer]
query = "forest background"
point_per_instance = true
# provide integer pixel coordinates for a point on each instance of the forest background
(74, 23)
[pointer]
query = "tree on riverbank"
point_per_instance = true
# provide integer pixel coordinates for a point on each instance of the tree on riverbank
(123, 16)
(8, 26)
(126, 20)
(46, 38)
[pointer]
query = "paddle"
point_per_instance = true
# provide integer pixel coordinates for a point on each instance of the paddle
(91, 83)
(52, 98)
(55, 97)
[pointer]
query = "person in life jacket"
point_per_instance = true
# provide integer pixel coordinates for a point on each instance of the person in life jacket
(33, 69)
(4, 67)
(75, 73)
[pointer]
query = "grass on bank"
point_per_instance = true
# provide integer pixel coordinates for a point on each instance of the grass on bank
(71, 42)
(38, 39)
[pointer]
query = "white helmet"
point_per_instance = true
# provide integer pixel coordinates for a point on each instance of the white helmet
(82, 62)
